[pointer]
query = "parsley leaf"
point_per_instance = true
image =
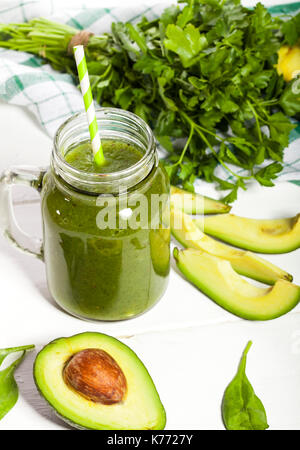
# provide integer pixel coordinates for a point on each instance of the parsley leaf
(187, 42)
(267, 174)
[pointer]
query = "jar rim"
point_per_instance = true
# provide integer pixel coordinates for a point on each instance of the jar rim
(98, 181)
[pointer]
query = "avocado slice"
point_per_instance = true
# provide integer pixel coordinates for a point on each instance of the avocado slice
(245, 263)
(263, 236)
(216, 278)
(192, 203)
(93, 381)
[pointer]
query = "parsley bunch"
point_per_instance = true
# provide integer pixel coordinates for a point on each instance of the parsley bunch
(203, 76)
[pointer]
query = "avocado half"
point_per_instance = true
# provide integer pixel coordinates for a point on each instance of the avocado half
(140, 407)
(263, 236)
(192, 203)
(243, 262)
(216, 278)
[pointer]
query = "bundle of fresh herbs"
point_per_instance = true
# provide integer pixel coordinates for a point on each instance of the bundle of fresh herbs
(205, 72)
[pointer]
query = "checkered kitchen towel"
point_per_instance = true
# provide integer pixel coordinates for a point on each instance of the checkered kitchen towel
(52, 96)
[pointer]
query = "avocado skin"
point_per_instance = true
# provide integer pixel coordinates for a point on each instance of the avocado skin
(159, 425)
(236, 230)
(237, 309)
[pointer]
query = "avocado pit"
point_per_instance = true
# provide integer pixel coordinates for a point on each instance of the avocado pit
(95, 375)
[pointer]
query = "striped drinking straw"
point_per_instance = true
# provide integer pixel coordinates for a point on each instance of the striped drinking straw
(89, 104)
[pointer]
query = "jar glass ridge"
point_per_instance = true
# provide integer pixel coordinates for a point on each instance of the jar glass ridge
(115, 124)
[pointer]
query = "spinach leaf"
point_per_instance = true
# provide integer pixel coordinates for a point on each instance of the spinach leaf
(241, 408)
(8, 387)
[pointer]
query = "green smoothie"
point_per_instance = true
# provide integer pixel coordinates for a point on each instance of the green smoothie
(104, 274)
(118, 156)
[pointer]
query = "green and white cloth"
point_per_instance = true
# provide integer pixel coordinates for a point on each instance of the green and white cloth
(52, 97)
(26, 81)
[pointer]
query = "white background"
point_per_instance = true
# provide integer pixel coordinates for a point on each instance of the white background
(190, 345)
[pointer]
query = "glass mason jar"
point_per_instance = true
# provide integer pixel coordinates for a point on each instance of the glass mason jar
(106, 237)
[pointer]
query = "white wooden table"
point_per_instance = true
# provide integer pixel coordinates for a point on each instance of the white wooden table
(190, 345)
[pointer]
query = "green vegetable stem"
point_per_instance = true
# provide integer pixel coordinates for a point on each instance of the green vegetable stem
(8, 387)
(241, 408)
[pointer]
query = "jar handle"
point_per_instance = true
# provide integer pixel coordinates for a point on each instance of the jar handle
(9, 227)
